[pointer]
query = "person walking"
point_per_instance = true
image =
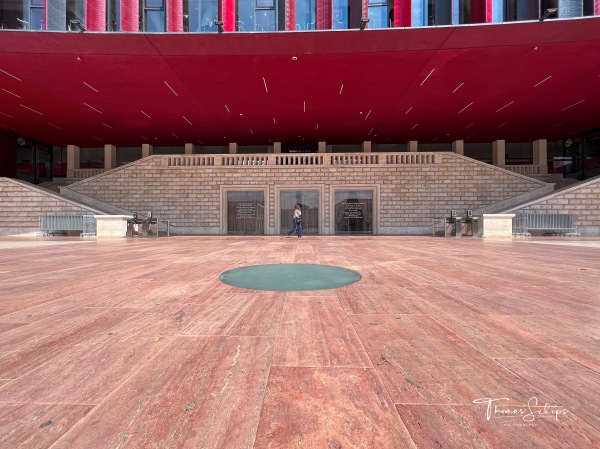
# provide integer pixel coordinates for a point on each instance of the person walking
(297, 222)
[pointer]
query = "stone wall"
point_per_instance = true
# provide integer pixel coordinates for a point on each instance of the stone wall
(582, 199)
(22, 204)
(410, 189)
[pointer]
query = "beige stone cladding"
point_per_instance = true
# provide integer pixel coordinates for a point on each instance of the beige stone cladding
(22, 204)
(410, 192)
(581, 199)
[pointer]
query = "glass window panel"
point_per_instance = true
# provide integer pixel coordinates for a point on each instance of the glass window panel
(309, 202)
(245, 212)
(75, 11)
(199, 16)
(36, 19)
(306, 16)
(354, 212)
(268, 4)
(378, 17)
(340, 14)
(154, 4)
(113, 15)
(155, 21)
(265, 20)
(36, 2)
(245, 15)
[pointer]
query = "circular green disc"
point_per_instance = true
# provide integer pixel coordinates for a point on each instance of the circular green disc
(289, 277)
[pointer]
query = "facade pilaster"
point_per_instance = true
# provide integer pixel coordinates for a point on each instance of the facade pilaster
(540, 155)
(499, 153)
(147, 150)
(458, 147)
(110, 156)
(73, 159)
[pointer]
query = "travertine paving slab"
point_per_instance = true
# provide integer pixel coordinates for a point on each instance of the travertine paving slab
(135, 343)
(564, 381)
(329, 408)
(36, 425)
(521, 426)
(199, 392)
(422, 362)
(314, 331)
(26, 347)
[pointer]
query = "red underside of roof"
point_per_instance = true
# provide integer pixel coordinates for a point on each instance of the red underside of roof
(517, 82)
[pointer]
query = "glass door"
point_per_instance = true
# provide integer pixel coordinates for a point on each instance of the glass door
(246, 212)
(308, 201)
(354, 212)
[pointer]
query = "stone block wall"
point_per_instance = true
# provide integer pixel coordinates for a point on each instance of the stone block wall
(409, 194)
(22, 204)
(582, 199)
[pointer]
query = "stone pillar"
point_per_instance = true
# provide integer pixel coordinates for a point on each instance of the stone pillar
(73, 159)
(413, 146)
(189, 148)
(499, 153)
(110, 156)
(277, 147)
(540, 155)
(322, 147)
(366, 146)
(233, 148)
(458, 147)
(147, 150)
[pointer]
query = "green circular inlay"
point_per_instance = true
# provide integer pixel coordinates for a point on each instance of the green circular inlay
(289, 277)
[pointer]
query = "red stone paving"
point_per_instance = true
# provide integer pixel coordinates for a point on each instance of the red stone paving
(135, 343)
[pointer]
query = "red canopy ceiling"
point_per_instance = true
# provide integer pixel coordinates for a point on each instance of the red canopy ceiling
(518, 82)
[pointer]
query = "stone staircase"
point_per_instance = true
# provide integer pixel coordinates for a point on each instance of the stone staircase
(22, 204)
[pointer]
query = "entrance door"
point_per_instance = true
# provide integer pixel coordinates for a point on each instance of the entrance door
(308, 201)
(354, 212)
(246, 212)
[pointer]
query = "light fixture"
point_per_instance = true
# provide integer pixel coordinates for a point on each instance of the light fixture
(219, 24)
(548, 13)
(363, 22)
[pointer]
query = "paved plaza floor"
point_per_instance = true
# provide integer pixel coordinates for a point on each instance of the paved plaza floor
(442, 343)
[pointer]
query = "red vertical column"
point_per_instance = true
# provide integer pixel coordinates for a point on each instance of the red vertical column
(597, 7)
(290, 15)
(174, 16)
(481, 11)
(365, 10)
(228, 15)
(324, 14)
(95, 15)
(130, 15)
(402, 13)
